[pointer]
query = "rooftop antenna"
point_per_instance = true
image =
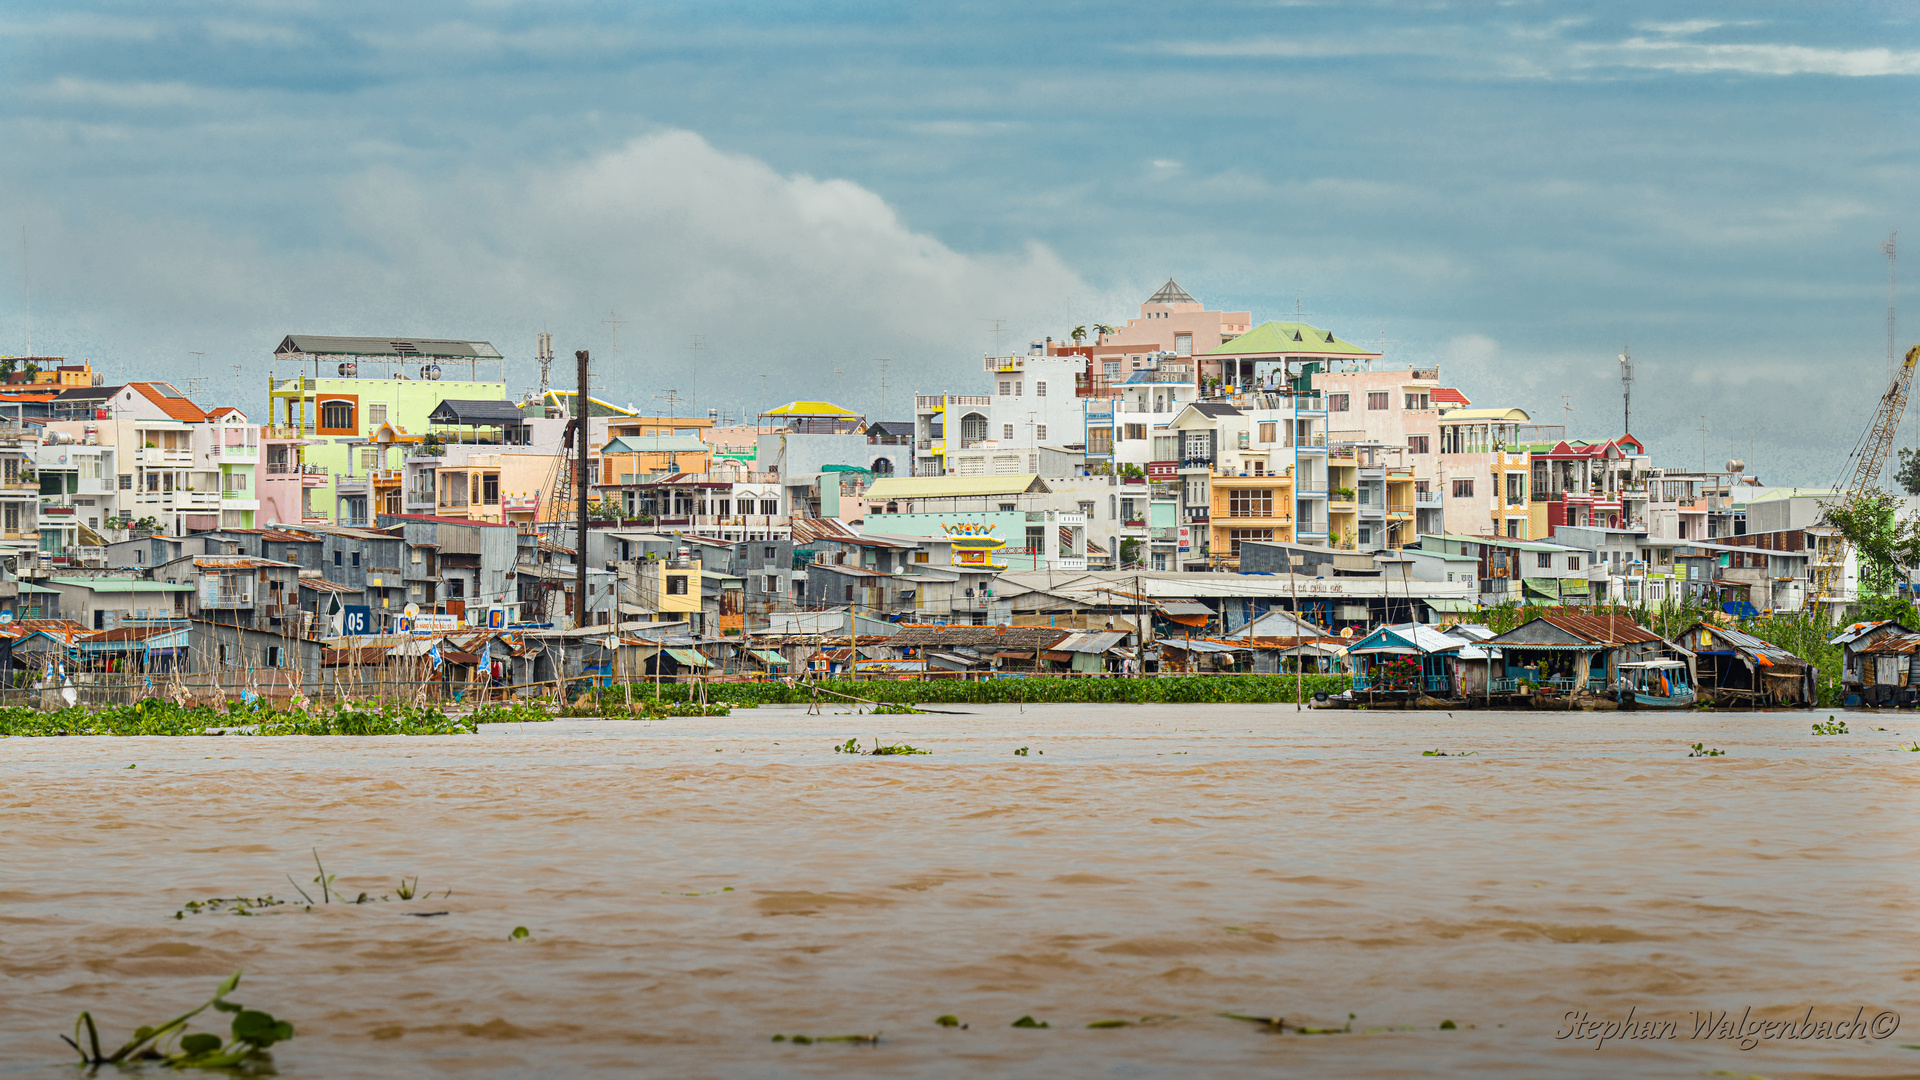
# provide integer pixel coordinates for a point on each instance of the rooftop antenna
(613, 354)
(1626, 390)
(838, 391)
(1566, 406)
(883, 387)
(670, 397)
(1703, 442)
(197, 386)
(999, 327)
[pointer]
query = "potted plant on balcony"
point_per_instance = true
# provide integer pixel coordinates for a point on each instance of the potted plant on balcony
(1343, 494)
(1132, 474)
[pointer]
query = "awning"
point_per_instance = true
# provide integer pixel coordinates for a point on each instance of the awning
(1544, 588)
(1182, 607)
(1449, 604)
(689, 658)
(1574, 586)
(1058, 657)
(769, 657)
(1740, 609)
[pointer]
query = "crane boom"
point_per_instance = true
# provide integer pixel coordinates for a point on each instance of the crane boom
(1831, 556)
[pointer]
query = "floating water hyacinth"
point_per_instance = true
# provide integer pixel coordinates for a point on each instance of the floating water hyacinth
(252, 1031)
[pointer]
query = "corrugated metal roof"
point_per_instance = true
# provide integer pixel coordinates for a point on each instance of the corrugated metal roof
(948, 487)
(468, 411)
(126, 585)
(1096, 642)
(402, 347)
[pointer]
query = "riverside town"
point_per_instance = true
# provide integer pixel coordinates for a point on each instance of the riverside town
(1190, 492)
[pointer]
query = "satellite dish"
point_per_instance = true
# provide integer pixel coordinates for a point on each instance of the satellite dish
(412, 611)
(6, 618)
(348, 369)
(430, 372)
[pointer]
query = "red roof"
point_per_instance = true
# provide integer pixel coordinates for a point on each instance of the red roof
(1447, 395)
(178, 408)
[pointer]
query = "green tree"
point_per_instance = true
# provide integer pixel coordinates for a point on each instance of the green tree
(1908, 473)
(1129, 552)
(1884, 544)
(1079, 334)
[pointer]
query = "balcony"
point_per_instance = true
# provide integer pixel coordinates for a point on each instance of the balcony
(149, 455)
(235, 454)
(1427, 499)
(509, 503)
(1197, 515)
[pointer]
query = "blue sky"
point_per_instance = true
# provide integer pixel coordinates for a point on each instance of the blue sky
(1514, 191)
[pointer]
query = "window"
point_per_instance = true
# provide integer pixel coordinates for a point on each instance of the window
(338, 558)
(769, 553)
(1379, 399)
(126, 481)
(456, 587)
(1039, 431)
(1006, 431)
(1040, 388)
(1006, 508)
(770, 507)
(337, 416)
(1016, 388)
(490, 490)
(276, 656)
(1573, 562)
(416, 556)
(1086, 508)
(676, 584)
(376, 415)
(1133, 431)
(1544, 560)
(1417, 400)
(1234, 536)
(1183, 344)
(356, 558)
(1250, 502)
(1266, 431)
(1006, 388)
(1463, 489)
(1418, 444)
(849, 594)
(1338, 402)
(1513, 528)
(1111, 368)
(370, 459)
(773, 583)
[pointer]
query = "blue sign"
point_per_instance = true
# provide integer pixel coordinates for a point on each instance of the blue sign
(356, 619)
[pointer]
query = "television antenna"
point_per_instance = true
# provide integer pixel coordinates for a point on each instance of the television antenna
(838, 385)
(1892, 251)
(671, 397)
(883, 387)
(543, 352)
(999, 327)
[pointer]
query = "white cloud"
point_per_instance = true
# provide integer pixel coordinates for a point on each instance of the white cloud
(786, 275)
(1695, 58)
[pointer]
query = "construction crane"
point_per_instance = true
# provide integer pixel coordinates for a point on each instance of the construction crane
(1870, 457)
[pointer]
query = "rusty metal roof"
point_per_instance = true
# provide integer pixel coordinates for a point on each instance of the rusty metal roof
(1617, 629)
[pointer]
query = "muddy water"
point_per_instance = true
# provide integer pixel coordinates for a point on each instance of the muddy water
(1140, 861)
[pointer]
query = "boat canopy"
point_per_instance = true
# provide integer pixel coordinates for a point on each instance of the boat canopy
(1653, 664)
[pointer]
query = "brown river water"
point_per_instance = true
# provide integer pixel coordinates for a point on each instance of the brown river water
(1141, 861)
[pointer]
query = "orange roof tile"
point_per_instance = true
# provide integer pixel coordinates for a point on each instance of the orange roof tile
(179, 408)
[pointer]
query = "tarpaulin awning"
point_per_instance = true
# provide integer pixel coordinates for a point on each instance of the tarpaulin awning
(1449, 604)
(1740, 609)
(1574, 586)
(1185, 612)
(1544, 588)
(689, 658)
(769, 657)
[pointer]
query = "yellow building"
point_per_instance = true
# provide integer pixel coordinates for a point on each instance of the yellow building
(1248, 507)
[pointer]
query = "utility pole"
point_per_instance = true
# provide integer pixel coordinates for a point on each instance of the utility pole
(697, 344)
(1626, 391)
(580, 552)
(1703, 442)
(543, 352)
(1299, 639)
(882, 412)
(26, 285)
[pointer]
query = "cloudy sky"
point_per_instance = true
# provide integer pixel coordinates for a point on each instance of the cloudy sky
(1514, 191)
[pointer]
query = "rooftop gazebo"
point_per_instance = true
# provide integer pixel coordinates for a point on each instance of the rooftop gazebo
(464, 421)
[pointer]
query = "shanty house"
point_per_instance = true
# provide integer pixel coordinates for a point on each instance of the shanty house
(1432, 650)
(1736, 666)
(1854, 641)
(1575, 652)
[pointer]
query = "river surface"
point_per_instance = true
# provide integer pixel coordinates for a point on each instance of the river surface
(693, 887)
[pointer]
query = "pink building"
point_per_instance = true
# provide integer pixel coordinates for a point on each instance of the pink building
(1171, 321)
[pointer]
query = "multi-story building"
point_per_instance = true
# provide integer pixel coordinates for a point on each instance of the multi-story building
(1172, 324)
(1485, 472)
(342, 390)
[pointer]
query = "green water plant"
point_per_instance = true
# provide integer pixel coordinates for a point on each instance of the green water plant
(1700, 750)
(852, 746)
(252, 1032)
(808, 1040)
(233, 905)
(1830, 726)
(1029, 1022)
(949, 1020)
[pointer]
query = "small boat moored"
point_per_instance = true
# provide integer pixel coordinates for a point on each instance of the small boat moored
(1655, 684)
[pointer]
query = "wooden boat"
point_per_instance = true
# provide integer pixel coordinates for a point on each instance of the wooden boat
(1656, 684)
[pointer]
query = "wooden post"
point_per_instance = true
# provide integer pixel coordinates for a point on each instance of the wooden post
(580, 554)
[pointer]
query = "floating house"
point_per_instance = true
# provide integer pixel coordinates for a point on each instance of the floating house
(1568, 653)
(1374, 658)
(1736, 667)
